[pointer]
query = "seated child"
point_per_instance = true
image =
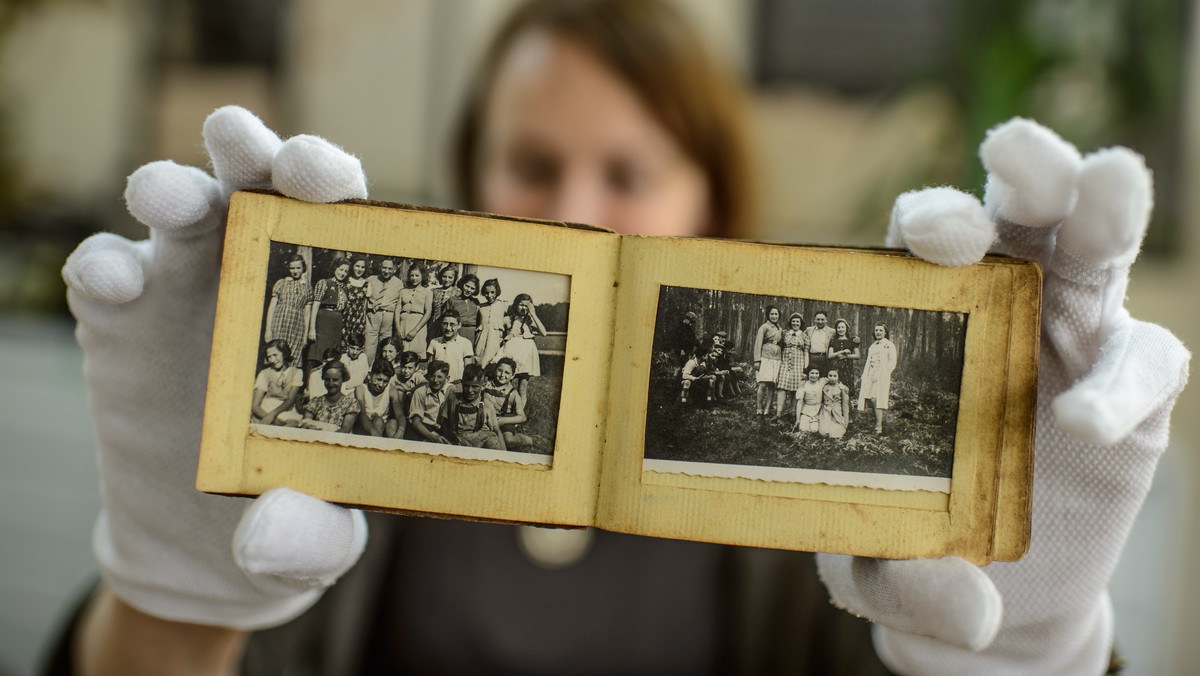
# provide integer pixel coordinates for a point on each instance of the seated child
(808, 401)
(427, 407)
(316, 385)
(835, 408)
(335, 411)
(726, 364)
(390, 351)
(451, 347)
(698, 370)
(375, 398)
(356, 362)
(277, 387)
(471, 419)
(406, 380)
(508, 402)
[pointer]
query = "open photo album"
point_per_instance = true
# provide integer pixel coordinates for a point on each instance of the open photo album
(465, 365)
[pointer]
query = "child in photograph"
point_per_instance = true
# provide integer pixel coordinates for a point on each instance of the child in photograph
(287, 314)
(335, 411)
(427, 407)
(491, 322)
(375, 399)
(325, 309)
(699, 369)
(354, 317)
(808, 401)
(466, 305)
(356, 362)
(408, 377)
(792, 363)
(683, 341)
(315, 385)
(444, 290)
(767, 359)
(721, 369)
(415, 310)
(843, 351)
(451, 347)
(389, 351)
(727, 364)
(521, 324)
(835, 407)
(471, 419)
(509, 405)
(876, 383)
(277, 387)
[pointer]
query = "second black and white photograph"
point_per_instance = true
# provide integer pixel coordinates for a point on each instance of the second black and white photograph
(374, 348)
(786, 388)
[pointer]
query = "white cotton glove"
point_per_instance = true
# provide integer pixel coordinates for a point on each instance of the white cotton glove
(1106, 386)
(145, 319)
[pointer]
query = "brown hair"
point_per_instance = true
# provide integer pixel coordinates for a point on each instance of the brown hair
(649, 46)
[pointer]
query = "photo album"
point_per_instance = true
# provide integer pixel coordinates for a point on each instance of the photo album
(464, 365)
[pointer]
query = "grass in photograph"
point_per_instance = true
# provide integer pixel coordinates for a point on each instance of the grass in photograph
(918, 437)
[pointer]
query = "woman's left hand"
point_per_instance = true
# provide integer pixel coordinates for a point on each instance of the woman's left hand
(1106, 387)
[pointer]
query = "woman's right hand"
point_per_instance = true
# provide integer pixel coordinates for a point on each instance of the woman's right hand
(145, 318)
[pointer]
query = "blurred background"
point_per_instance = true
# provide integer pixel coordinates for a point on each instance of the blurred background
(854, 101)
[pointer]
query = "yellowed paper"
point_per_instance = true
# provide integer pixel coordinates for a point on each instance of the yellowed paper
(611, 455)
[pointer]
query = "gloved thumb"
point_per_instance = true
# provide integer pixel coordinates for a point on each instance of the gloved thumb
(287, 542)
(947, 599)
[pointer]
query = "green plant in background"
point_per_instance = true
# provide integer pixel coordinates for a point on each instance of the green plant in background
(1100, 72)
(35, 237)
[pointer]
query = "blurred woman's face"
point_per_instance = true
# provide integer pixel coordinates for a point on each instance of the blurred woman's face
(565, 139)
(360, 268)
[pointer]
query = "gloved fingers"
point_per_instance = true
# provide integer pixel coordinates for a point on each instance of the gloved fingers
(105, 269)
(174, 199)
(947, 599)
(1140, 369)
(941, 225)
(241, 148)
(1031, 174)
(288, 541)
(312, 169)
(1106, 226)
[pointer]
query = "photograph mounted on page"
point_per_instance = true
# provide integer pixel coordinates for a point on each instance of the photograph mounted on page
(473, 366)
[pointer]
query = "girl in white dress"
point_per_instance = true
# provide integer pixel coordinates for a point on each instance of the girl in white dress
(521, 324)
(877, 375)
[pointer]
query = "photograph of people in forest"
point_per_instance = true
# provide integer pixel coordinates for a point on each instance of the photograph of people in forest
(406, 348)
(816, 385)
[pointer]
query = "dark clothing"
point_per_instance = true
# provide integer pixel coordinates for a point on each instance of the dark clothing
(684, 341)
(432, 596)
(458, 597)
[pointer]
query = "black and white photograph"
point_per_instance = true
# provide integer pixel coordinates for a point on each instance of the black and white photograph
(785, 388)
(388, 352)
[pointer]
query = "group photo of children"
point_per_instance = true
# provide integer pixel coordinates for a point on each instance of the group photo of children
(789, 382)
(406, 348)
